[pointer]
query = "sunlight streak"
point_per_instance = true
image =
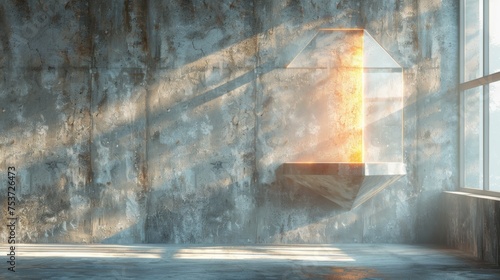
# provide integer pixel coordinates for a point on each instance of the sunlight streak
(297, 253)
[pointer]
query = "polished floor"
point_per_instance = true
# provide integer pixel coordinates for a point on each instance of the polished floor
(356, 261)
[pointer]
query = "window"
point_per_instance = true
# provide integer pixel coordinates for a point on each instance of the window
(480, 95)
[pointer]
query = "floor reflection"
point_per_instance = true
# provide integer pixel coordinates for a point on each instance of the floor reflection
(302, 253)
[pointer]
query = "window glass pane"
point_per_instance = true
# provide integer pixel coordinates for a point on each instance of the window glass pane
(473, 121)
(494, 149)
(494, 36)
(473, 35)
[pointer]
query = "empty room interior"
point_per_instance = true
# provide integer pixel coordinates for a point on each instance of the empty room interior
(250, 139)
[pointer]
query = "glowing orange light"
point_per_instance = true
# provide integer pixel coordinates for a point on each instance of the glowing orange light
(347, 81)
(355, 90)
(344, 102)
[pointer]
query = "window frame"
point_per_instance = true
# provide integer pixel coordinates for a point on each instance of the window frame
(485, 80)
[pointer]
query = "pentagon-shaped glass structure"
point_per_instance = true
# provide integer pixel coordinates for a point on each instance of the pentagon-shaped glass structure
(364, 97)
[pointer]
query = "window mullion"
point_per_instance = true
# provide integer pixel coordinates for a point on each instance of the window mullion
(461, 41)
(486, 99)
(486, 138)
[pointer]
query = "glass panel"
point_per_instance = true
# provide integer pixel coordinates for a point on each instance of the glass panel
(473, 44)
(494, 149)
(494, 36)
(331, 48)
(383, 110)
(473, 120)
(362, 94)
(375, 56)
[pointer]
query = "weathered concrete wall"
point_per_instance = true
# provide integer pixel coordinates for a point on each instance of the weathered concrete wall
(423, 37)
(437, 106)
(165, 121)
(471, 224)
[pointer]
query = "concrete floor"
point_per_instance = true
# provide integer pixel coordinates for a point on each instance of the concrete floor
(357, 261)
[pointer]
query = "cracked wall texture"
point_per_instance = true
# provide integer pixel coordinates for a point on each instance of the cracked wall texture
(165, 121)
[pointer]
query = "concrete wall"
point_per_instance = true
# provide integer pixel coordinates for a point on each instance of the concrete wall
(165, 121)
(471, 223)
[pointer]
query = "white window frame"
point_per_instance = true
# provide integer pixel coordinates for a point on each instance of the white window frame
(483, 81)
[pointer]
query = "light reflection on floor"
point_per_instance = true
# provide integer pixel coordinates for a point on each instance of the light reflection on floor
(163, 261)
(87, 251)
(299, 253)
